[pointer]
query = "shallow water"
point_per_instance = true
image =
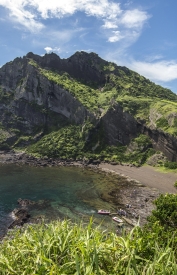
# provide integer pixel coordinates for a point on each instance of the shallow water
(69, 192)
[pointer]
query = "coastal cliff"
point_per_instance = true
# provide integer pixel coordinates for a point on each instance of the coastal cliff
(107, 105)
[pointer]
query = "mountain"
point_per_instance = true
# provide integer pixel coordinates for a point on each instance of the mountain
(84, 107)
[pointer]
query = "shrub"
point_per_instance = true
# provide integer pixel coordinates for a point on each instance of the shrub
(175, 184)
(166, 210)
(170, 164)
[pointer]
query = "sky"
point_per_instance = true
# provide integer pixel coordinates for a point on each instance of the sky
(138, 34)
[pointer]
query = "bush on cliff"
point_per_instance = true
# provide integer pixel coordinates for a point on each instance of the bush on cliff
(78, 142)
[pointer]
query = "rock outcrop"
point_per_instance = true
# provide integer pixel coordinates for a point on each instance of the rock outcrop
(119, 126)
(161, 141)
(21, 216)
(31, 103)
(82, 66)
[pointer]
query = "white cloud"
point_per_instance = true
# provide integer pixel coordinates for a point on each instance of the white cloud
(20, 14)
(126, 37)
(129, 26)
(134, 18)
(158, 71)
(116, 25)
(29, 12)
(110, 25)
(23, 10)
(50, 49)
(116, 36)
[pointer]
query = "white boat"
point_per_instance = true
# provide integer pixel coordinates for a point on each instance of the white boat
(116, 219)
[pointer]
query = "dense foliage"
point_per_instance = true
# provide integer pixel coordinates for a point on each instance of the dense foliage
(170, 165)
(166, 211)
(65, 143)
(71, 142)
(65, 248)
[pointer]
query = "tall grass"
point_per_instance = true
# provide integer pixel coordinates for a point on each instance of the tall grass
(61, 248)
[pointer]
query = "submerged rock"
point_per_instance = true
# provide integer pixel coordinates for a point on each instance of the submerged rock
(25, 202)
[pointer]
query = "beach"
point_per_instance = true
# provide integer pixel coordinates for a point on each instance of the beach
(146, 175)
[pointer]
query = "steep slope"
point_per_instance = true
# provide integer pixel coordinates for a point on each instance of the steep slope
(110, 105)
(31, 104)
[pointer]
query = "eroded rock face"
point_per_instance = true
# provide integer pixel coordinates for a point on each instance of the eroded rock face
(119, 126)
(82, 66)
(30, 102)
(162, 141)
(156, 159)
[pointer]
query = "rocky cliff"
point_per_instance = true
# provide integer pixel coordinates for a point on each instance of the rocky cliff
(39, 95)
(161, 141)
(31, 103)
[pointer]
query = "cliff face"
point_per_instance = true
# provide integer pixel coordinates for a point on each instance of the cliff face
(33, 104)
(161, 141)
(30, 102)
(120, 127)
(82, 66)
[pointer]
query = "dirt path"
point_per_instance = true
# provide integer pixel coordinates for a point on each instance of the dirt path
(147, 175)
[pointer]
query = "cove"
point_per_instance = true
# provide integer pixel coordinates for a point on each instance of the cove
(68, 192)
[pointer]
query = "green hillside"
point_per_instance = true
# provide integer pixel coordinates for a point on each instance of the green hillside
(62, 108)
(156, 105)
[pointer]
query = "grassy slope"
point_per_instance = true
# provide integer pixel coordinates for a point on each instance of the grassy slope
(65, 248)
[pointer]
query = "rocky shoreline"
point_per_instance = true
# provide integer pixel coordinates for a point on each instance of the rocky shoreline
(12, 157)
(132, 192)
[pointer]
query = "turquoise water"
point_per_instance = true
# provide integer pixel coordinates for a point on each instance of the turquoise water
(69, 192)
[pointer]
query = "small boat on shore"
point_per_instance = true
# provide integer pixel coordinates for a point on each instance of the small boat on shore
(116, 219)
(103, 212)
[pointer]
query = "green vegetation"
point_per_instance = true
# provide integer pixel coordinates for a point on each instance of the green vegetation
(165, 212)
(175, 184)
(170, 165)
(136, 94)
(86, 95)
(62, 247)
(139, 107)
(150, 103)
(4, 135)
(23, 140)
(71, 142)
(65, 143)
(164, 116)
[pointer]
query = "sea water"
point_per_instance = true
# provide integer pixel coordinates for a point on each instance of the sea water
(60, 192)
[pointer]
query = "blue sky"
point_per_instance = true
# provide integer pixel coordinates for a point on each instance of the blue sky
(139, 34)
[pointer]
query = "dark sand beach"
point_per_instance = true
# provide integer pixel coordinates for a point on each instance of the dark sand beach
(146, 175)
